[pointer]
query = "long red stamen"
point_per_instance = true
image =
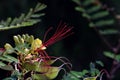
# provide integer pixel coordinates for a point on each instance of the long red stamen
(46, 34)
(62, 31)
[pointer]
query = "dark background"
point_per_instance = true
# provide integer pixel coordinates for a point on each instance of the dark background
(81, 48)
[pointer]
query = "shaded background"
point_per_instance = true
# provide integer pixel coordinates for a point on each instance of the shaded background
(83, 47)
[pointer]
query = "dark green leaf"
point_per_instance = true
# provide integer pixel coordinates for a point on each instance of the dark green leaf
(109, 31)
(109, 54)
(104, 23)
(5, 59)
(91, 24)
(100, 14)
(77, 74)
(39, 7)
(37, 15)
(100, 63)
(118, 57)
(86, 15)
(77, 1)
(80, 9)
(93, 9)
(87, 2)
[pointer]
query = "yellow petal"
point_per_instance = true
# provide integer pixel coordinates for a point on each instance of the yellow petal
(37, 43)
(8, 46)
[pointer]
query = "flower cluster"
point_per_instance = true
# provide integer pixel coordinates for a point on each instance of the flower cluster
(28, 58)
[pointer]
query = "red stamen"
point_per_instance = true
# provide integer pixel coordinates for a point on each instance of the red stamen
(46, 34)
(62, 31)
(44, 56)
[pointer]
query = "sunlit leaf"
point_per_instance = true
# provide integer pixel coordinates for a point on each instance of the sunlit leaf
(52, 72)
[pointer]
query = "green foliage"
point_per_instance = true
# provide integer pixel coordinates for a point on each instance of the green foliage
(97, 15)
(112, 55)
(5, 59)
(90, 74)
(29, 19)
(99, 18)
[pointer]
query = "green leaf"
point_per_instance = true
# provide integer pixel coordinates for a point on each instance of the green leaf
(109, 54)
(52, 72)
(37, 15)
(104, 23)
(5, 59)
(84, 72)
(8, 58)
(13, 59)
(76, 74)
(87, 2)
(86, 15)
(7, 67)
(70, 76)
(8, 21)
(80, 9)
(118, 57)
(93, 9)
(2, 64)
(108, 32)
(25, 19)
(39, 7)
(91, 24)
(21, 18)
(100, 63)
(14, 21)
(100, 14)
(77, 1)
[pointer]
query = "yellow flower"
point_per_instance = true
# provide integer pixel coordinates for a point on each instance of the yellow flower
(37, 44)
